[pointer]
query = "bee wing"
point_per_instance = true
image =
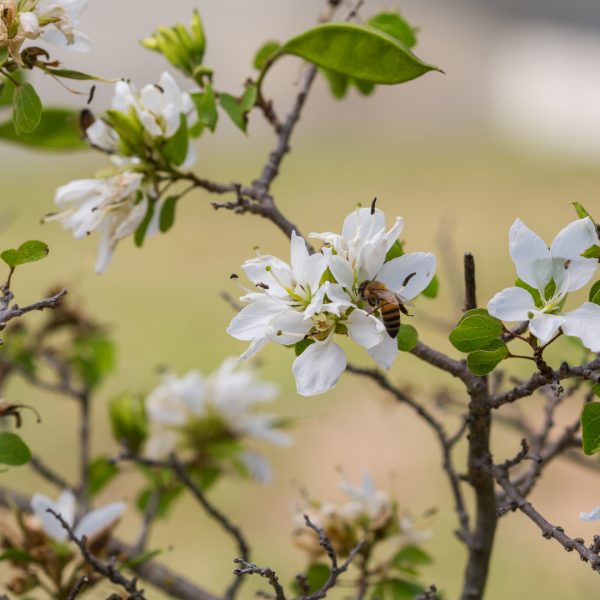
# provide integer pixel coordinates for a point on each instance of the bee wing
(402, 300)
(387, 295)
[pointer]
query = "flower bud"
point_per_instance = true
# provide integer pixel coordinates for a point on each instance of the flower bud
(128, 421)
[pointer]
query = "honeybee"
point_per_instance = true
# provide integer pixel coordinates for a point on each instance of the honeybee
(389, 303)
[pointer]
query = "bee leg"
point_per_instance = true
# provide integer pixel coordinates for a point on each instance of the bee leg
(404, 311)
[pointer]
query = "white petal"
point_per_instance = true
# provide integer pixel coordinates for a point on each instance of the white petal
(362, 223)
(172, 118)
(512, 304)
(256, 345)
(568, 246)
(257, 466)
(28, 24)
(394, 273)
(593, 515)
(288, 327)
(365, 329)
(371, 258)
(106, 249)
(98, 520)
(394, 233)
(319, 367)
(530, 255)
(271, 271)
(251, 322)
(342, 270)
(77, 191)
(152, 99)
(545, 327)
(584, 323)
(65, 507)
(339, 300)
(102, 135)
(384, 353)
(172, 93)
(149, 122)
(160, 443)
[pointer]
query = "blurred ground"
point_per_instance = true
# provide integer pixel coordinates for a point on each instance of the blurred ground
(431, 153)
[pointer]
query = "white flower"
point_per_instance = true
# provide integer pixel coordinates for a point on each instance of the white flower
(593, 515)
(227, 399)
(109, 205)
(366, 500)
(58, 19)
(89, 525)
(293, 305)
(553, 272)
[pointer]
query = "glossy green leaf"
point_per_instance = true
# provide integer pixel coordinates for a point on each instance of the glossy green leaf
(407, 338)
(395, 251)
(396, 589)
(140, 233)
(590, 428)
(393, 24)
(167, 213)
(30, 251)
(176, 147)
(482, 362)
(475, 331)
(13, 450)
(431, 291)
(582, 213)
(58, 130)
(27, 108)
(7, 88)
(338, 83)
(316, 576)
(592, 252)
(265, 54)
(364, 87)
(595, 293)
(359, 51)
(207, 107)
(100, 473)
(232, 107)
(248, 99)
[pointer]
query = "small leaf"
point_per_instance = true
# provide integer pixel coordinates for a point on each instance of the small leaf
(140, 232)
(58, 130)
(248, 100)
(595, 293)
(590, 428)
(482, 362)
(13, 450)
(395, 251)
(580, 210)
(316, 576)
(100, 473)
(407, 338)
(206, 107)
(592, 252)
(167, 213)
(167, 498)
(412, 555)
(128, 421)
(232, 107)
(393, 24)
(17, 555)
(596, 389)
(139, 559)
(431, 291)
(70, 74)
(396, 589)
(537, 299)
(176, 147)
(338, 83)
(364, 87)
(265, 54)
(475, 331)
(7, 87)
(93, 358)
(302, 345)
(27, 108)
(360, 51)
(30, 251)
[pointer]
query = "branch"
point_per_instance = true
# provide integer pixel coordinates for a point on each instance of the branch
(445, 363)
(16, 311)
(252, 569)
(48, 474)
(83, 581)
(470, 287)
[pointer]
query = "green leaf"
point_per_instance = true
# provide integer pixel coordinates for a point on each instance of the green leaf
(396, 589)
(27, 108)
(590, 428)
(316, 576)
(176, 147)
(7, 88)
(338, 83)
(582, 213)
(411, 555)
(482, 362)
(17, 555)
(13, 450)
(70, 74)
(167, 498)
(58, 130)
(93, 358)
(395, 251)
(139, 559)
(206, 107)
(249, 97)
(233, 108)
(302, 345)
(129, 130)
(30, 251)
(364, 87)
(393, 24)
(592, 252)
(140, 232)
(431, 291)
(167, 213)
(475, 331)
(407, 338)
(128, 421)
(537, 299)
(595, 293)
(360, 51)
(265, 54)
(100, 473)
(596, 389)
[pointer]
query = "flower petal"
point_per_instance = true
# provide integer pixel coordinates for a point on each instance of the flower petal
(365, 329)
(251, 322)
(257, 466)
(530, 255)
(512, 304)
(64, 506)
(394, 273)
(584, 323)
(342, 270)
(545, 326)
(319, 367)
(98, 520)
(384, 353)
(593, 515)
(288, 327)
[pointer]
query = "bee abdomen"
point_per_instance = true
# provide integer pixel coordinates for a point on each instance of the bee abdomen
(390, 315)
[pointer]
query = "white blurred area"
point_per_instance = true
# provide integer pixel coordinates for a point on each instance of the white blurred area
(513, 74)
(544, 85)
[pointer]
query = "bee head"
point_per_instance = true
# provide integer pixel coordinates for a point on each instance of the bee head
(362, 287)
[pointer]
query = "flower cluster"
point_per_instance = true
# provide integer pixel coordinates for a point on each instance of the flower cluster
(138, 133)
(369, 515)
(51, 20)
(314, 298)
(211, 419)
(547, 276)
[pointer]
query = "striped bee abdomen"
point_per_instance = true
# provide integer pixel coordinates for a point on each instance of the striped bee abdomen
(390, 315)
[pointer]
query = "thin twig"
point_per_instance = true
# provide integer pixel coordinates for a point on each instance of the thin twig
(270, 575)
(16, 311)
(83, 581)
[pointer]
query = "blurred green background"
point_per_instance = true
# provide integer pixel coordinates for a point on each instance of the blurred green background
(436, 151)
